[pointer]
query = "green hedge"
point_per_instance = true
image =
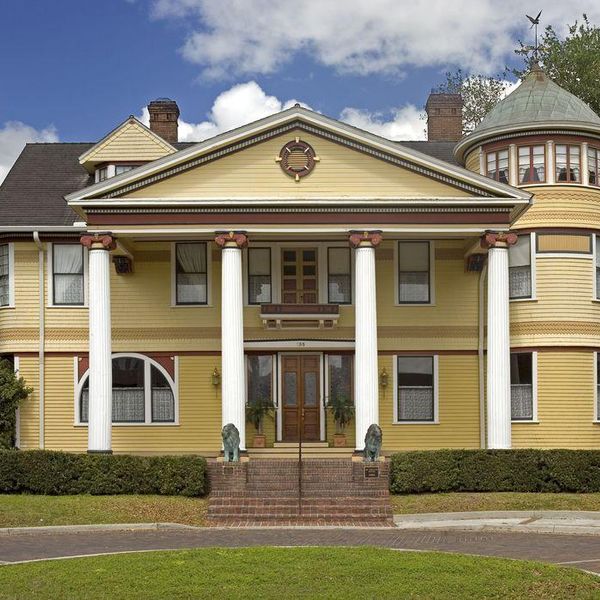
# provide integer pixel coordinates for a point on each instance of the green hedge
(495, 471)
(63, 473)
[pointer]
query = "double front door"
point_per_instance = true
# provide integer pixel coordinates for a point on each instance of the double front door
(301, 397)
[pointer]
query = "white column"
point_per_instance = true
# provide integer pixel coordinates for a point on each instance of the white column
(513, 165)
(232, 333)
(100, 384)
(366, 384)
(498, 342)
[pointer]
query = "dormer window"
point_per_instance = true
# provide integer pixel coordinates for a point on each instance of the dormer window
(497, 165)
(532, 164)
(123, 168)
(101, 174)
(568, 163)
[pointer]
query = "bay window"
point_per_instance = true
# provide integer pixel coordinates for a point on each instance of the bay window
(67, 275)
(568, 163)
(339, 276)
(532, 164)
(414, 273)
(593, 166)
(142, 393)
(521, 386)
(497, 165)
(519, 268)
(415, 389)
(259, 276)
(191, 276)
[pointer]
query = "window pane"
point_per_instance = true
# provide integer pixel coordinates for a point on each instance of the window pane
(521, 401)
(593, 166)
(491, 165)
(4, 275)
(128, 400)
(339, 278)
(503, 166)
(520, 253)
(414, 287)
(413, 278)
(191, 289)
(519, 282)
(123, 169)
(521, 378)
(68, 289)
(191, 257)
(414, 256)
(415, 404)
(524, 164)
(67, 267)
(191, 273)
(163, 402)
(260, 377)
(340, 376)
(521, 370)
(415, 371)
(68, 258)
(538, 172)
(259, 275)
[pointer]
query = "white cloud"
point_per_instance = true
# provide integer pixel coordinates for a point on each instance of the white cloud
(13, 137)
(247, 102)
(235, 37)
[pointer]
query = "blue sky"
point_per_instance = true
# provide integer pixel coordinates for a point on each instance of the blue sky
(73, 69)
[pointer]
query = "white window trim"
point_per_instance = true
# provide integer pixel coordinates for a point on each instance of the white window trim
(209, 261)
(532, 258)
(16, 365)
(148, 362)
(595, 250)
(436, 394)
(534, 390)
(11, 275)
(596, 398)
(50, 279)
(431, 274)
(322, 270)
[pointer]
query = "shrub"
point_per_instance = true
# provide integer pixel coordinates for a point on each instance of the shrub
(495, 471)
(63, 473)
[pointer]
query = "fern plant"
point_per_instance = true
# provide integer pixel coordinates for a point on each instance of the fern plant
(342, 410)
(257, 410)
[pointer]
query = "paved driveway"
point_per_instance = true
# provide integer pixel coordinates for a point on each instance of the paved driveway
(577, 551)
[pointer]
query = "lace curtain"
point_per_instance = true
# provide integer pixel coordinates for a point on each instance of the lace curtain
(521, 400)
(68, 274)
(415, 404)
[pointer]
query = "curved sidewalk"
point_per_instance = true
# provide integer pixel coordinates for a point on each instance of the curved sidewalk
(580, 551)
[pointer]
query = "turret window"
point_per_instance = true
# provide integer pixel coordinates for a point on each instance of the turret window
(519, 268)
(593, 165)
(522, 388)
(532, 164)
(568, 163)
(497, 165)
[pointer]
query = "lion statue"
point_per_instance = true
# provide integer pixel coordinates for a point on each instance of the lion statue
(373, 443)
(231, 443)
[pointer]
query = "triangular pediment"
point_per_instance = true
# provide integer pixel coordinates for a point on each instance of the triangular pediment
(243, 164)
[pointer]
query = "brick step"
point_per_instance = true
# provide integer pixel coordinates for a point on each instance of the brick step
(300, 521)
(305, 513)
(333, 493)
(329, 502)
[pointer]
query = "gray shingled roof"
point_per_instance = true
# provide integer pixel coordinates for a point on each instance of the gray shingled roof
(32, 193)
(537, 100)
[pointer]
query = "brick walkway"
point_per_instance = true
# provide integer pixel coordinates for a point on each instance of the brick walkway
(577, 551)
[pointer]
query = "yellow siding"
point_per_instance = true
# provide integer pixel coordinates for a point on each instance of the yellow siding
(472, 161)
(562, 206)
(130, 142)
(458, 425)
(550, 242)
(254, 172)
(564, 313)
(29, 411)
(565, 404)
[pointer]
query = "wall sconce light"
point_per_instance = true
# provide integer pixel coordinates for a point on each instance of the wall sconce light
(216, 377)
(383, 378)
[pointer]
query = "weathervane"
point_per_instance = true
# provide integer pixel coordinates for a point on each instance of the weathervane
(534, 23)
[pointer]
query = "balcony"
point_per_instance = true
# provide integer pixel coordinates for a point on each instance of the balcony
(299, 316)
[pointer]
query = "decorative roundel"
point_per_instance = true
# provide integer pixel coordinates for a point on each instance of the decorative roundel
(297, 159)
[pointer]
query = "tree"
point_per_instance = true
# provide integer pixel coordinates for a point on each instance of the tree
(13, 391)
(479, 93)
(572, 62)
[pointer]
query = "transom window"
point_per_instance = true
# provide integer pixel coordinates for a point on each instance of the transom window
(67, 275)
(521, 386)
(497, 165)
(519, 268)
(339, 276)
(142, 392)
(191, 285)
(414, 273)
(568, 163)
(532, 164)
(259, 276)
(4, 275)
(594, 166)
(415, 394)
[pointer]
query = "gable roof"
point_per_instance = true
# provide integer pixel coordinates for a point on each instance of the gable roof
(297, 117)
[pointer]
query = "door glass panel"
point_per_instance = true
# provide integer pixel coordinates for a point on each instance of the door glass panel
(309, 270)
(309, 255)
(290, 391)
(289, 270)
(310, 389)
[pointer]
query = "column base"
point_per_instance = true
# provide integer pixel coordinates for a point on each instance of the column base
(99, 451)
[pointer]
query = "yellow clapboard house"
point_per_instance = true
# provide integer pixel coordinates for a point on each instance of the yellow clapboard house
(449, 289)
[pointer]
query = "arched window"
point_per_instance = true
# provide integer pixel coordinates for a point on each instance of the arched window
(143, 391)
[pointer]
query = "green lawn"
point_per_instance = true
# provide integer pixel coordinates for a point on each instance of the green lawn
(463, 501)
(30, 510)
(292, 573)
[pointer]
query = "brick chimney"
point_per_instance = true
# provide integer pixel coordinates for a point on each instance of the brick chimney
(444, 117)
(164, 113)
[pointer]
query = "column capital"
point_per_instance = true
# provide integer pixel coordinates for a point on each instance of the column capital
(498, 239)
(231, 239)
(365, 238)
(98, 241)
